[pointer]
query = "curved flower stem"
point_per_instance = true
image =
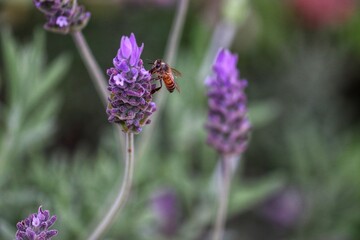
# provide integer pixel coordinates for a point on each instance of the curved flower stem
(123, 191)
(91, 65)
(170, 55)
(224, 189)
(176, 30)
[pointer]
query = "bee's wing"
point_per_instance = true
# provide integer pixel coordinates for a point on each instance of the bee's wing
(177, 87)
(176, 72)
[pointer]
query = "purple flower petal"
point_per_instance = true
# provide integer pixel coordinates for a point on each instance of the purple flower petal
(62, 21)
(125, 47)
(123, 66)
(51, 233)
(36, 222)
(30, 233)
(51, 221)
(119, 81)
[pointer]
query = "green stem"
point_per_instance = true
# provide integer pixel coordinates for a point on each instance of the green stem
(170, 55)
(123, 194)
(224, 190)
(91, 65)
(175, 33)
(222, 37)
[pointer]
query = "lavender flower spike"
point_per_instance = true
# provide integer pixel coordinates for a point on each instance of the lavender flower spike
(130, 102)
(36, 226)
(228, 125)
(63, 16)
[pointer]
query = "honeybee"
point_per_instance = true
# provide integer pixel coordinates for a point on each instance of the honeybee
(165, 73)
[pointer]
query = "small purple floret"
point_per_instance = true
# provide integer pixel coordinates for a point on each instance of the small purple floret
(228, 125)
(62, 21)
(130, 100)
(36, 226)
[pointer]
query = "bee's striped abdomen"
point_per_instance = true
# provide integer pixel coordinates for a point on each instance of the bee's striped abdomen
(169, 82)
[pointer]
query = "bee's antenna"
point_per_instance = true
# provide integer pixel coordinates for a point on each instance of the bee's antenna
(149, 61)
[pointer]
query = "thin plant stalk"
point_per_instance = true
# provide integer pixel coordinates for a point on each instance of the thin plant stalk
(123, 194)
(96, 75)
(91, 65)
(222, 37)
(169, 56)
(5, 150)
(224, 190)
(175, 33)
(199, 219)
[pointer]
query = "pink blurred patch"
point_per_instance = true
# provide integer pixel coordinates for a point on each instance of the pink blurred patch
(323, 13)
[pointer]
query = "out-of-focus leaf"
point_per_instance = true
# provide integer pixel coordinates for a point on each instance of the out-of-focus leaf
(45, 112)
(28, 118)
(19, 198)
(350, 170)
(261, 113)
(6, 230)
(54, 73)
(245, 196)
(11, 65)
(35, 135)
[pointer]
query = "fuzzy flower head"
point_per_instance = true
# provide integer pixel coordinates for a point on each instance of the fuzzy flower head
(36, 226)
(228, 125)
(130, 101)
(63, 16)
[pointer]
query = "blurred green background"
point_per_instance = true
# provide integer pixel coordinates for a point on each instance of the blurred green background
(299, 179)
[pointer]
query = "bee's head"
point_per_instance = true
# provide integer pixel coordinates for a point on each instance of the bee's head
(156, 66)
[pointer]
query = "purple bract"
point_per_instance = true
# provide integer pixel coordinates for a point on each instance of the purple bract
(63, 16)
(130, 100)
(228, 125)
(36, 226)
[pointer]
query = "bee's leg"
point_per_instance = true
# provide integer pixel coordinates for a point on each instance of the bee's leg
(155, 78)
(154, 90)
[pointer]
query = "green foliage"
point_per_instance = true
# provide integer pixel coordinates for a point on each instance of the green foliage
(28, 114)
(27, 121)
(351, 34)
(326, 170)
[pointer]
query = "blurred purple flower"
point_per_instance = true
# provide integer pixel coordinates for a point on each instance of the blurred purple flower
(284, 208)
(63, 16)
(165, 207)
(228, 125)
(130, 101)
(36, 226)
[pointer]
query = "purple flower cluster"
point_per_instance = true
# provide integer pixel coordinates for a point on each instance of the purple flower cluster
(36, 226)
(63, 16)
(130, 100)
(228, 125)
